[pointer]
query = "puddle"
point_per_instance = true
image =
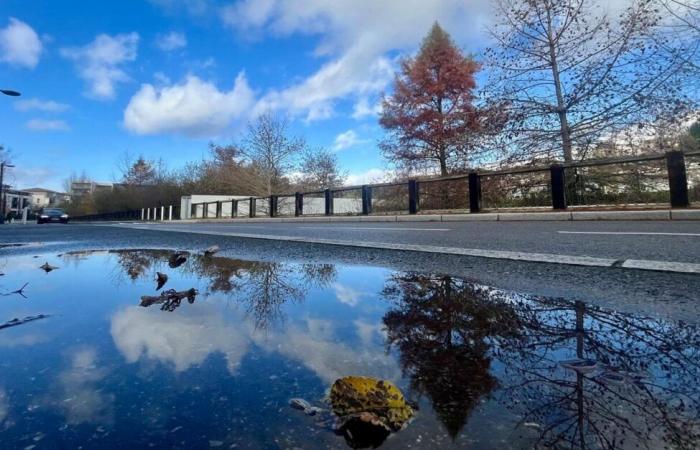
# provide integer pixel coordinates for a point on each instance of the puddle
(217, 366)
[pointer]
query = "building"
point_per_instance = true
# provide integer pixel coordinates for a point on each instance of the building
(14, 201)
(46, 198)
(81, 188)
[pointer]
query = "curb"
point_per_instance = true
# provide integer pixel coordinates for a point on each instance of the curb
(679, 214)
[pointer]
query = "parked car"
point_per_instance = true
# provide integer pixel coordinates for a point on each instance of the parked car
(52, 215)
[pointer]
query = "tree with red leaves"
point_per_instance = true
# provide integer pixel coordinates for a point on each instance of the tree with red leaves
(430, 116)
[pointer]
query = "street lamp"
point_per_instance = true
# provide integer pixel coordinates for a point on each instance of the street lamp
(3, 164)
(3, 201)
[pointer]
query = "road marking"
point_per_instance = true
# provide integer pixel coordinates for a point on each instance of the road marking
(374, 228)
(631, 233)
(663, 266)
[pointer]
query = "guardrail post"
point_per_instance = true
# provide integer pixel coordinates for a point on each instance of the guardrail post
(148, 214)
(677, 179)
(328, 194)
(170, 212)
(366, 200)
(143, 213)
(474, 192)
(251, 208)
(219, 210)
(298, 204)
(162, 213)
(413, 196)
(558, 184)
(234, 208)
(273, 206)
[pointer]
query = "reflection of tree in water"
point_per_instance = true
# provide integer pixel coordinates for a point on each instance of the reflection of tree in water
(262, 286)
(642, 391)
(441, 327)
(137, 263)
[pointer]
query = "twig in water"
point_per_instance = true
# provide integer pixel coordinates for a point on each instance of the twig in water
(19, 291)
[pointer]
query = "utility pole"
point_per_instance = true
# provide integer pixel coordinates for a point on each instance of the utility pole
(3, 201)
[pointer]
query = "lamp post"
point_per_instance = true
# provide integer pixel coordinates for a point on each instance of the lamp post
(3, 201)
(3, 164)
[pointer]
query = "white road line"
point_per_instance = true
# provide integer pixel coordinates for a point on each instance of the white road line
(664, 266)
(373, 228)
(630, 233)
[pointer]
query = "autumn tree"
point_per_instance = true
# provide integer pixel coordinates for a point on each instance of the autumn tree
(572, 74)
(431, 114)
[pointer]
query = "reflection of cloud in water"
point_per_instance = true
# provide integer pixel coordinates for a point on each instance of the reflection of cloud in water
(81, 400)
(315, 346)
(368, 331)
(27, 339)
(346, 294)
(179, 339)
(187, 340)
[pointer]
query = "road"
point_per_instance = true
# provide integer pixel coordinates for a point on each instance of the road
(667, 294)
(667, 241)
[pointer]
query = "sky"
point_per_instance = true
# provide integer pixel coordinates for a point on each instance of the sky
(163, 78)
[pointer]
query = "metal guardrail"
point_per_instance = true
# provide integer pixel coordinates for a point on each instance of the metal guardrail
(554, 191)
(559, 191)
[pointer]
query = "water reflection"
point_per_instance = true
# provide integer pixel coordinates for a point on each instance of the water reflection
(441, 326)
(488, 368)
(262, 286)
(459, 342)
(642, 392)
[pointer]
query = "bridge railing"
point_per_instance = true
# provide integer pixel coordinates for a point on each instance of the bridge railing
(646, 181)
(657, 180)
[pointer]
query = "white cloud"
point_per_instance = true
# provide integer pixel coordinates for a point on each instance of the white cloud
(346, 294)
(357, 36)
(363, 108)
(19, 44)
(171, 41)
(314, 344)
(182, 340)
(100, 62)
(368, 177)
(47, 125)
(41, 105)
(194, 107)
(80, 398)
(346, 139)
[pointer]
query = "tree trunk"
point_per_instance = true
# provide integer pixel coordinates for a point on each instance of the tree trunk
(561, 106)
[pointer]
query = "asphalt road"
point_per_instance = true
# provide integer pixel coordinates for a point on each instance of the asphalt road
(677, 241)
(670, 295)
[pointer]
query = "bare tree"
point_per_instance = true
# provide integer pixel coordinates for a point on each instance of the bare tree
(271, 150)
(571, 74)
(320, 170)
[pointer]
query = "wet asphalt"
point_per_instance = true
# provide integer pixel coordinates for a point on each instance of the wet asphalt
(658, 294)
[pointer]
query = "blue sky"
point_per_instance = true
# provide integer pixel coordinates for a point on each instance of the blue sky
(162, 78)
